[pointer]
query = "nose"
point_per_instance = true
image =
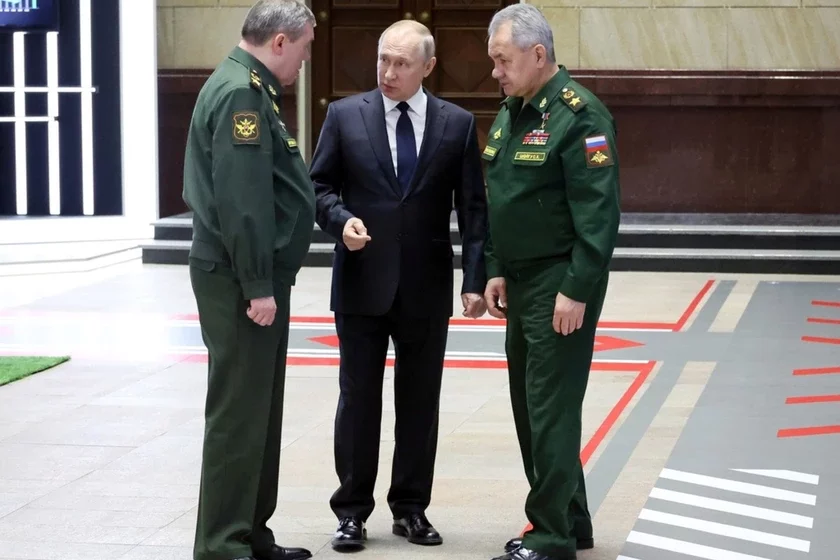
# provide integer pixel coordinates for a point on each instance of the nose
(497, 74)
(389, 72)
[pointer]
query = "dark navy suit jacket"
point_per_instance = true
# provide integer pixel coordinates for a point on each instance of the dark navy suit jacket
(410, 254)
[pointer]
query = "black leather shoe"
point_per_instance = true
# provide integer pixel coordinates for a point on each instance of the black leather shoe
(417, 529)
(582, 544)
(523, 553)
(350, 535)
(280, 553)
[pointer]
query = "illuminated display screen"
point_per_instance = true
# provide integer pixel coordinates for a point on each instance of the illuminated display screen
(29, 15)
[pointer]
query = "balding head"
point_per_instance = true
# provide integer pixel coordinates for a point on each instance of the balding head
(406, 55)
(410, 30)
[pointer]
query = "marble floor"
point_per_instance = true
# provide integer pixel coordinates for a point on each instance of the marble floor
(689, 443)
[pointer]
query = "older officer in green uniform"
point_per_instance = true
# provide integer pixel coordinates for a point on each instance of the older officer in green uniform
(553, 196)
(253, 214)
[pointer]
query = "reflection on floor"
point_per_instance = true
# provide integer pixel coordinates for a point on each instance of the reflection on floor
(710, 423)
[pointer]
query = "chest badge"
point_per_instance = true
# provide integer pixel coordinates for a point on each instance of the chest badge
(538, 137)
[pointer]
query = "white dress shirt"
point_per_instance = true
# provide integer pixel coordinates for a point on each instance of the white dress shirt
(417, 114)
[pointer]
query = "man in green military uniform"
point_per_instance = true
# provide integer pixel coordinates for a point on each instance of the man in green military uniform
(553, 199)
(253, 214)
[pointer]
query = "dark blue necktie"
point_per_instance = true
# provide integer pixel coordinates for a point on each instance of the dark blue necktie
(406, 147)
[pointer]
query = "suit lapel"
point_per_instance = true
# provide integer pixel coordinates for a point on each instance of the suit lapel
(373, 115)
(435, 124)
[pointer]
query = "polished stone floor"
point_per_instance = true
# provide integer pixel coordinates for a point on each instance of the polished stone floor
(710, 423)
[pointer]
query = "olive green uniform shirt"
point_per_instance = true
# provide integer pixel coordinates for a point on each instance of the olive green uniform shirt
(553, 186)
(249, 189)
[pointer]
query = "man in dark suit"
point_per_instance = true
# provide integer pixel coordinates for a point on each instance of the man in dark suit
(386, 168)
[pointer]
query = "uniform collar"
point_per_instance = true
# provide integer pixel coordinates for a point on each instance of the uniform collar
(548, 92)
(253, 64)
(416, 103)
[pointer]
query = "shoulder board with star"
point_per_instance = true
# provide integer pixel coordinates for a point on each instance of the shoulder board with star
(256, 81)
(572, 99)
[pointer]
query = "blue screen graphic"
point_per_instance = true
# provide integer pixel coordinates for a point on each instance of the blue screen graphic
(29, 15)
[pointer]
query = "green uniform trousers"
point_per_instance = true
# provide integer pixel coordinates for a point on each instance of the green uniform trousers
(243, 416)
(548, 375)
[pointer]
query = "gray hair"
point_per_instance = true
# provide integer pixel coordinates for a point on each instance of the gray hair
(267, 18)
(528, 27)
(427, 40)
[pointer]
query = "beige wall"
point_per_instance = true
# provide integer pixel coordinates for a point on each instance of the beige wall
(198, 33)
(638, 34)
(696, 34)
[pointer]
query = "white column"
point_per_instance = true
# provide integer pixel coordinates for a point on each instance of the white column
(138, 83)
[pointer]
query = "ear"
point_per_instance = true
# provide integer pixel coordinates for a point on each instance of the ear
(429, 67)
(278, 42)
(542, 59)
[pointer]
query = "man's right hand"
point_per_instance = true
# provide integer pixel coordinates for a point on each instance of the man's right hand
(495, 294)
(262, 311)
(355, 234)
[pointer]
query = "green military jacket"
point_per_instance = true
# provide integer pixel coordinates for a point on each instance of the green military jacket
(552, 185)
(249, 189)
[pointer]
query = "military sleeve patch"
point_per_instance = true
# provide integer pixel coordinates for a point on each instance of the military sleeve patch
(573, 100)
(246, 127)
(598, 152)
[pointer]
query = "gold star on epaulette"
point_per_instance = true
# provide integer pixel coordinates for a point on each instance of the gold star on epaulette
(272, 91)
(572, 99)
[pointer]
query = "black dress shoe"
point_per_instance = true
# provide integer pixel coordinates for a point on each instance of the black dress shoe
(523, 553)
(350, 535)
(280, 553)
(582, 544)
(417, 529)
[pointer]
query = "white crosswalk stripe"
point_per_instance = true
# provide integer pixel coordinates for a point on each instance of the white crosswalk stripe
(686, 522)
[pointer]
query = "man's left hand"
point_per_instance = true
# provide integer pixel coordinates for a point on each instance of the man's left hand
(474, 306)
(568, 315)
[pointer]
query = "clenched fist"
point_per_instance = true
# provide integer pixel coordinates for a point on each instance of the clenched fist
(355, 235)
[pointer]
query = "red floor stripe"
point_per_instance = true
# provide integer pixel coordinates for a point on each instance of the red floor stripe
(823, 321)
(612, 417)
(821, 340)
(692, 307)
(610, 420)
(826, 303)
(817, 371)
(813, 399)
(803, 432)
(625, 367)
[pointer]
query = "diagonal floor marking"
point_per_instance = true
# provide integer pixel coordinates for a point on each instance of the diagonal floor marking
(724, 530)
(739, 487)
(793, 476)
(733, 507)
(690, 549)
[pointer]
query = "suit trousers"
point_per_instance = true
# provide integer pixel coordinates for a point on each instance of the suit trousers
(243, 416)
(420, 345)
(548, 375)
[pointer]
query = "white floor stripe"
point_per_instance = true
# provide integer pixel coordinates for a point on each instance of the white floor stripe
(622, 557)
(687, 548)
(732, 507)
(784, 475)
(741, 487)
(725, 530)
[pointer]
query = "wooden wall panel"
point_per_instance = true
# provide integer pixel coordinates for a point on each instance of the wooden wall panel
(748, 142)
